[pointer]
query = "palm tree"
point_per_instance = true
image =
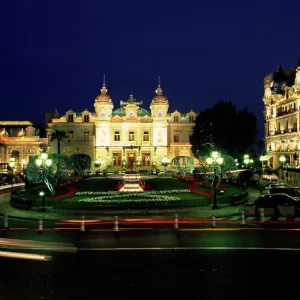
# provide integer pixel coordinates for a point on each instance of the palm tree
(58, 135)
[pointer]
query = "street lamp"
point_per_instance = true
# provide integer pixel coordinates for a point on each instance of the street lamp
(98, 164)
(215, 160)
(43, 162)
(282, 159)
(164, 162)
(262, 159)
(247, 160)
(12, 165)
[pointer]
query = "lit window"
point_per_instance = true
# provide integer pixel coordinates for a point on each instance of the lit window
(117, 136)
(191, 119)
(146, 136)
(176, 119)
(117, 159)
(86, 136)
(131, 136)
(86, 118)
(70, 136)
(70, 118)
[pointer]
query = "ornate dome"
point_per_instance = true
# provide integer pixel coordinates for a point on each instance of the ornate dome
(159, 98)
(103, 96)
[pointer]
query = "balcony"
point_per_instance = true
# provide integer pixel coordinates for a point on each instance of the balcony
(286, 112)
(289, 130)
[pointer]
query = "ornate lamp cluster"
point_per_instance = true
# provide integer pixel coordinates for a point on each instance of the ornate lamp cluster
(43, 163)
(215, 160)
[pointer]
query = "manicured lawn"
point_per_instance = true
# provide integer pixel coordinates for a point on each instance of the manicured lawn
(162, 184)
(105, 185)
(97, 185)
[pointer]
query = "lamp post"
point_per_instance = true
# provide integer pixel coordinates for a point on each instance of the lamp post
(98, 164)
(12, 165)
(215, 160)
(262, 159)
(164, 162)
(43, 162)
(282, 160)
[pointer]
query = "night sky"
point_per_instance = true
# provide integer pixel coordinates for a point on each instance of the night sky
(54, 53)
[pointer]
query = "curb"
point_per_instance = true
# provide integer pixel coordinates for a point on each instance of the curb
(56, 220)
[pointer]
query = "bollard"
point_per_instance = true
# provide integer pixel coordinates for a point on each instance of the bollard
(40, 227)
(175, 221)
(5, 222)
(82, 224)
(243, 222)
(262, 215)
(116, 224)
(213, 217)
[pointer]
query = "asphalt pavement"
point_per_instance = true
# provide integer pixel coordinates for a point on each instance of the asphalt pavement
(209, 264)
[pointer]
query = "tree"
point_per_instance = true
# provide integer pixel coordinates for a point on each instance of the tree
(183, 164)
(60, 168)
(228, 164)
(80, 162)
(225, 129)
(202, 137)
(58, 135)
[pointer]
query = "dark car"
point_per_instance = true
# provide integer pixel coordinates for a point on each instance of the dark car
(283, 190)
(278, 185)
(273, 200)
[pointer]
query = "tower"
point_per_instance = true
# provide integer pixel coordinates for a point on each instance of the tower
(159, 109)
(103, 107)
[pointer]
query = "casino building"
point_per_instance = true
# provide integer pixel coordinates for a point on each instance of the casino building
(281, 116)
(128, 136)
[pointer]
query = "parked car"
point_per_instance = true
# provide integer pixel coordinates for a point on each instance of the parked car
(279, 185)
(283, 190)
(272, 201)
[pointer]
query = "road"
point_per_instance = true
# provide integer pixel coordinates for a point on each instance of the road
(206, 263)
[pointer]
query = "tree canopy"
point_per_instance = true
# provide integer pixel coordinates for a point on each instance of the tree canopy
(80, 162)
(183, 164)
(58, 135)
(60, 168)
(225, 128)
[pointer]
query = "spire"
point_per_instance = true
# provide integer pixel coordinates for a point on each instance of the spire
(103, 89)
(158, 90)
(131, 99)
(55, 114)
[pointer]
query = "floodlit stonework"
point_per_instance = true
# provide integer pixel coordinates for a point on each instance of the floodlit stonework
(22, 139)
(129, 136)
(281, 116)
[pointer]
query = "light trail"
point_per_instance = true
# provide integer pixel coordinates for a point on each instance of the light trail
(29, 256)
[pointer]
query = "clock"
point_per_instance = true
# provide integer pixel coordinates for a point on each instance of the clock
(131, 114)
(102, 113)
(160, 114)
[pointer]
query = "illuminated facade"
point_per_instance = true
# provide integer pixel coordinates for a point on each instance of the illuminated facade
(21, 139)
(281, 116)
(129, 136)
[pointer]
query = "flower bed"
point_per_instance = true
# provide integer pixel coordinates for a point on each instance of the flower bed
(128, 199)
(193, 188)
(72, 190)
(130, 194)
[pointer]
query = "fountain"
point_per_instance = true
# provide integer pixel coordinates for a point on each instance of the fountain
(131, 182)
